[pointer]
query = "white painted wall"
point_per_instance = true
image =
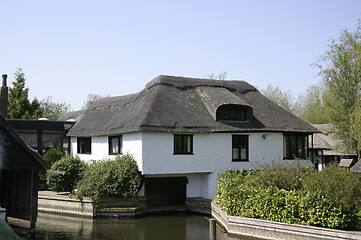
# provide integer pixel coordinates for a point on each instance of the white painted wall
(212, 152)
(211, 156)
(132, 143)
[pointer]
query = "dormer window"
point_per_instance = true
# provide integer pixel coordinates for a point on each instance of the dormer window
(232, 113)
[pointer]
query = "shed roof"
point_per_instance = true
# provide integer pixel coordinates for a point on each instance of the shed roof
(179, 104)
(15, 152)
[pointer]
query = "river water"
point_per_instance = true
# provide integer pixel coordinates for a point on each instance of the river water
(162, 227)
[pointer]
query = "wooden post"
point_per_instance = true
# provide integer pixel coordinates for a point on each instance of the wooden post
(212, 229)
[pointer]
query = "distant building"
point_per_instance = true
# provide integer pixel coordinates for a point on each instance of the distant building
(327, 148)
(41, 134)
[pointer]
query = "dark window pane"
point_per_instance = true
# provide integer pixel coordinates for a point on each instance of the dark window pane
(115, 145)
(84, 145)
(239, 147)
(231, 113)
(295, 146)
(183, 144)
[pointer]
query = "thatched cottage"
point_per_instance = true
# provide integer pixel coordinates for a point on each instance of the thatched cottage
(183, 132)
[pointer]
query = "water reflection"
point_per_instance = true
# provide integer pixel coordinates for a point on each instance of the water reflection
(175, 227)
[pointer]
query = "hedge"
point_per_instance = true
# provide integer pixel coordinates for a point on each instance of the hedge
(239, 198)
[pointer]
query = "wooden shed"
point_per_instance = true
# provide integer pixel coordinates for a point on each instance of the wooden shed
(19, 175)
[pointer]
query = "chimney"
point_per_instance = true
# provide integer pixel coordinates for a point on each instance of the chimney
(4, 97)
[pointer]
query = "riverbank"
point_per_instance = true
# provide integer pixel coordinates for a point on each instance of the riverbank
(65, 204)
(276, 230)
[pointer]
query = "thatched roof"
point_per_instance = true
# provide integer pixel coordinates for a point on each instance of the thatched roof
(326, 140)
(179, 104)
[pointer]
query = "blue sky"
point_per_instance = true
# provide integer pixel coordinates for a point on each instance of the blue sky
(71, 48)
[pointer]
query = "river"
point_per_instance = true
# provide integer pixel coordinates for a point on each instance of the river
(161, 227)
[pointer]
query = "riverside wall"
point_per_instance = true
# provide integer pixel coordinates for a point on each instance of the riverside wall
(63, 204)
(276, 230)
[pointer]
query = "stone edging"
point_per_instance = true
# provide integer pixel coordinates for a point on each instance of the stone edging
(276, 230)
(51, 202)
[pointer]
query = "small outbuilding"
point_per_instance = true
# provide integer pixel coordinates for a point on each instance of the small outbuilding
(19, 175)
(326, 148)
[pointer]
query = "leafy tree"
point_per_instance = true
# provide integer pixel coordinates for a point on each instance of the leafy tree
(19, 105)
(340, 69)
(52, 110)
(310, 106)
(91, 98)
(276, 95)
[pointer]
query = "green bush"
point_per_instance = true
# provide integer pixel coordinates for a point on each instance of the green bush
(339, 185)
(110, 179)
(50, 157)
(237, 195)
(53, 155)
(283, 175)
(73, 168)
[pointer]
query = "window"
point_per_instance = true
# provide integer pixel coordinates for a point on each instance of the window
(52, 139)
(84, 145)
(30, 137)
(183, 144)
(240, 148)
(231, 113)
(295, 146)
(115, 145)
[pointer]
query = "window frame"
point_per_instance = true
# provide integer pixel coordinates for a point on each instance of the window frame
(120, 145)
(292, 144)
(86, 140)
(241, 137)
(231, 112)
(182, 138)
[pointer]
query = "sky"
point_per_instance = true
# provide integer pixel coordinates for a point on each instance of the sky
(71, 48)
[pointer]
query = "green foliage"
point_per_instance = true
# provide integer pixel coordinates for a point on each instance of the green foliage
(19, 105)
(73, 168)
(52, 110)
(283, 175)
(338, 185)
(248, 195)
(53, 155)
(91, 98)
(110, 179)
(340, 69)
(276, 95)
(310, 107)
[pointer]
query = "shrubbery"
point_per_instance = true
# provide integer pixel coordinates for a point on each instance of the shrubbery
(53, 155)
(293, 195)
(73, 168)
(339, 185)
(50, 157)
(110, 179)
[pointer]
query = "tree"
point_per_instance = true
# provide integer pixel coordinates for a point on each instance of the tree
(52, 110)
(310, 106)
(276, 95)
(220, 76)
(91, 98)
(19, 105)
(340, 69)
